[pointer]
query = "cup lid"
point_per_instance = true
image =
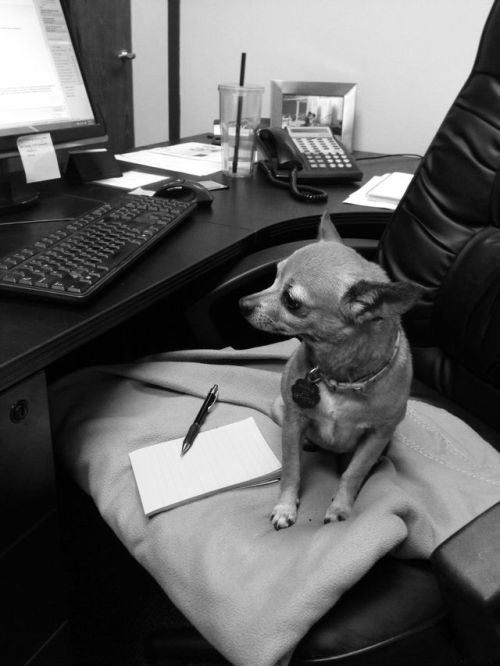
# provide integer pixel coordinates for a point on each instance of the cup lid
(252, 87)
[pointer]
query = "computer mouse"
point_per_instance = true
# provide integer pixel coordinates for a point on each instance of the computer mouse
(185, 190)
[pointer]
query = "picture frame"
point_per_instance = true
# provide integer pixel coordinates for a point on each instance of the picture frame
(302, 103)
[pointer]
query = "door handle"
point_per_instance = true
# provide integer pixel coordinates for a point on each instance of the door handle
(125, 55)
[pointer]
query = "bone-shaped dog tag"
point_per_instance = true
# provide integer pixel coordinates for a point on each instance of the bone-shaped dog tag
(305, 393)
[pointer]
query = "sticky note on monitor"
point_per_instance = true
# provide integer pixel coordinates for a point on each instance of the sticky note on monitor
(38, 157)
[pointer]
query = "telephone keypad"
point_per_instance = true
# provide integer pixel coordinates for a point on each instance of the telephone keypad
(315, 151)
(323, 153)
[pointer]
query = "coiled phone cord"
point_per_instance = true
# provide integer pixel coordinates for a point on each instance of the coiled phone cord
(305, 192)
(300, 192)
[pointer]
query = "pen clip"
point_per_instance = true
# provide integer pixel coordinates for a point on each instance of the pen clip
(212, 397)
(208, 403)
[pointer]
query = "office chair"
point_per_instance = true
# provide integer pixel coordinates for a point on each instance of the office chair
(445, 237)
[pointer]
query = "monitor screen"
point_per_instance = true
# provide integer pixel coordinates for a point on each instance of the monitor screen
(43, 89)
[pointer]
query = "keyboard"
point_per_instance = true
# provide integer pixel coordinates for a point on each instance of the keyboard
(73, 264)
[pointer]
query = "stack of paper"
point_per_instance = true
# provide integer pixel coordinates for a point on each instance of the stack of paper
(197, 159)
(382, 191)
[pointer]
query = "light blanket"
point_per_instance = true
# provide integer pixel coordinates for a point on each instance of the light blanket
(254, 592)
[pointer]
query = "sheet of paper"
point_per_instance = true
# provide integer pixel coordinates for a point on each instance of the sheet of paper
(131, 179)
(38, 157)
(197, 159)
(220, 458)
(142, 192)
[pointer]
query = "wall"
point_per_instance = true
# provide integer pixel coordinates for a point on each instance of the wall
(409, 57)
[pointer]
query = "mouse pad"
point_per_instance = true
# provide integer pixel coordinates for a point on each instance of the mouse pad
(26, 227)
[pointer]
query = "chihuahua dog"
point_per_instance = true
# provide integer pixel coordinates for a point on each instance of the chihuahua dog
(346, 387)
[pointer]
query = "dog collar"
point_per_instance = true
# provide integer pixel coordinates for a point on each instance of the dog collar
(305, 391)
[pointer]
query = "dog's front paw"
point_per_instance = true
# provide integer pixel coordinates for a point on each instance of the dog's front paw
(283, 515)
(337, 511)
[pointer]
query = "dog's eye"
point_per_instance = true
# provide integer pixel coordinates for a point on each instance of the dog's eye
(290, 302)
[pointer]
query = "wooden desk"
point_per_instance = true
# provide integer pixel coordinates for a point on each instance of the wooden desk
(34, 335)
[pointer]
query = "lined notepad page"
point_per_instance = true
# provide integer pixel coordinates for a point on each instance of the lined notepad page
(230, 456)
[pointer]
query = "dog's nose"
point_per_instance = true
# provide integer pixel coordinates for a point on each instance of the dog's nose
(246, 306)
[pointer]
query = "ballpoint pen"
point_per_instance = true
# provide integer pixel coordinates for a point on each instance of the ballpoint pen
(194, 428)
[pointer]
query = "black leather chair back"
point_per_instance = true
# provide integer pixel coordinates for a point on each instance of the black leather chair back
(445, 236)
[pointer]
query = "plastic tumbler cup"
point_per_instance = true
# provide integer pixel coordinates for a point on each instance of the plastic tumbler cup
(240, 108)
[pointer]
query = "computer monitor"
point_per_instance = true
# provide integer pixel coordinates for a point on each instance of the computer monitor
(42, 87)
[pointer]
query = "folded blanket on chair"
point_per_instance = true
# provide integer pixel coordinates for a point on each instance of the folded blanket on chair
(251, 591)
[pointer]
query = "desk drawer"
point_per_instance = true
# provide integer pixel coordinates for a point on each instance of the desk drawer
(27, 488)
(32, 605)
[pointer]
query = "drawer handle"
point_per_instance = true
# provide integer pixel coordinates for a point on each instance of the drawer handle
(19, 411)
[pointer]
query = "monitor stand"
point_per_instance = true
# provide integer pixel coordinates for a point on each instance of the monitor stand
(16, 195)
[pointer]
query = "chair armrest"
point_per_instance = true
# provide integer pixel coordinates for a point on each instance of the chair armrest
(364, 223)
(467, 566)
(210, 318)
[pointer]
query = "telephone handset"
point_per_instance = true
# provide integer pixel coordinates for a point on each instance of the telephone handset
(301, 154)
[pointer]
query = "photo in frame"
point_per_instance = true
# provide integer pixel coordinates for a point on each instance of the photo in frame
(308, 103)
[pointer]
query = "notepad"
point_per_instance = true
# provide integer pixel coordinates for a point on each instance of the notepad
(224, 458)
(390, 188)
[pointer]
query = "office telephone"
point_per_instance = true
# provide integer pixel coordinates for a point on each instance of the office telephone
(305, 154)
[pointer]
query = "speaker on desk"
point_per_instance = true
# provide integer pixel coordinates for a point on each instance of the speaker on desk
(87, 165)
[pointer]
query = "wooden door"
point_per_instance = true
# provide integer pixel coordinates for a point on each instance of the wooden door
(101, 30)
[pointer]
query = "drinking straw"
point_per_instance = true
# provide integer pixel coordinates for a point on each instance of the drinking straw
(238, 113)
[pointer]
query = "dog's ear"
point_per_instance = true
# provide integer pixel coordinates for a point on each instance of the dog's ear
(327, 231)
(366, 300)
